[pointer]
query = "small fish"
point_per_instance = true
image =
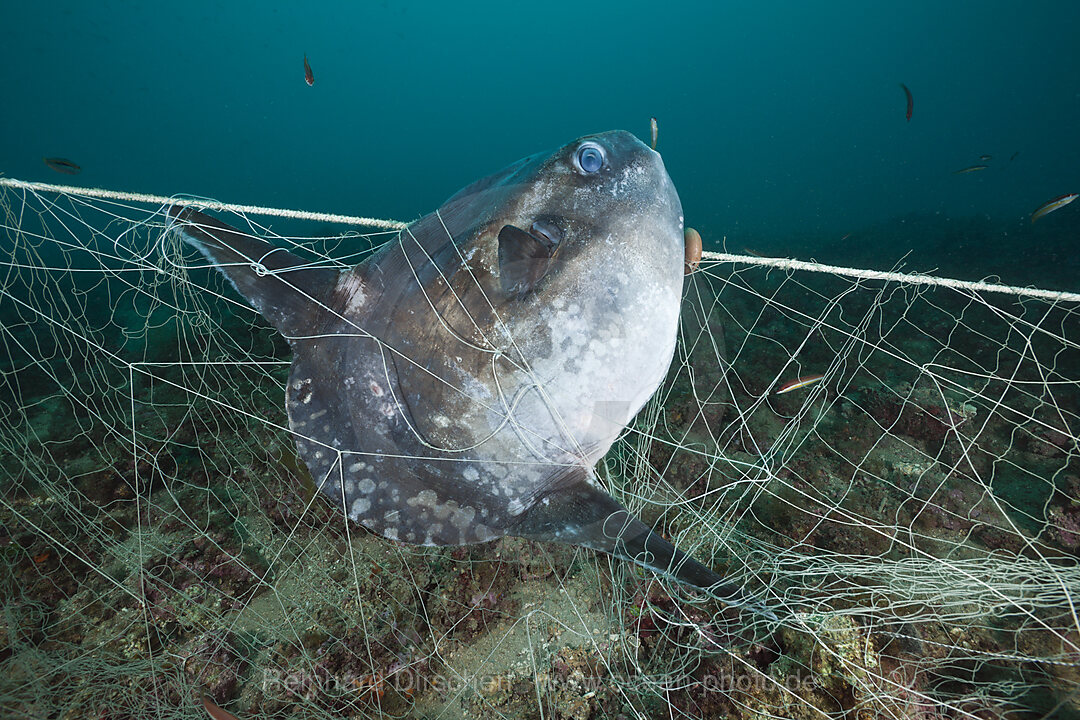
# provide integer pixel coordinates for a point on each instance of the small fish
(910, 101)
(693, 250)
(798, 383)
(61, 165)
(973, 168)
(1055, 204)
(655, 129)
(309, 77)
(215, 712)
(986, 158)
(1014, 156)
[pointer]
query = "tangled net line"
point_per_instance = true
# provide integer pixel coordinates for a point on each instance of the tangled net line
(913, 519)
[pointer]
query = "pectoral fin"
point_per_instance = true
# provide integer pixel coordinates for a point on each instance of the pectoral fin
(523, 259)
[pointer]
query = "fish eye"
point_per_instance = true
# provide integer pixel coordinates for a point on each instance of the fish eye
(590, 158)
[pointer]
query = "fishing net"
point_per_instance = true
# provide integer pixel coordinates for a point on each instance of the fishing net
(912, 519)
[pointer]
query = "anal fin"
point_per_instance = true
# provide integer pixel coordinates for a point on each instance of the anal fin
(573, 511)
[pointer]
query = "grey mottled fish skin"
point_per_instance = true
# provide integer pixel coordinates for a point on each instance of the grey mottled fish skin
(433, 406)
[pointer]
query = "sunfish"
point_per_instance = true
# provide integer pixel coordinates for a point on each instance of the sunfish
(461, 383)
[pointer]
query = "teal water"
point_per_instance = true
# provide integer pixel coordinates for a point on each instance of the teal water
(782, 123)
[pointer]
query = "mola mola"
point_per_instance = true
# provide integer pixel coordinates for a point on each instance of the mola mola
(461, 383)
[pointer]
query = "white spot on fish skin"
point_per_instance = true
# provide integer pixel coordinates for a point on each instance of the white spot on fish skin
(390, 533)
(482, 532)
(359, 507)
(375, 388)
(357, 467)
(470, 473)
(351, 288)
(317, 415)
(516, 507)
(570, 530)
(387, 410)
(424, 497)
(463, 517)
(460, 517)
(303, 390)
(367, 485)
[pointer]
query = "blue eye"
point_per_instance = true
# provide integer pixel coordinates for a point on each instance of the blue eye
(590, 158)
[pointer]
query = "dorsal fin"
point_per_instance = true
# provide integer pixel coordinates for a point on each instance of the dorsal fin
(284, 288)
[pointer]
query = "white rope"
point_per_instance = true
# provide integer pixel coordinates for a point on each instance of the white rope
(201, 204)
(782, 263)
(788, 264)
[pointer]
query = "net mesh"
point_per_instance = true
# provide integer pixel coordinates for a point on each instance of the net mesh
(913, 518)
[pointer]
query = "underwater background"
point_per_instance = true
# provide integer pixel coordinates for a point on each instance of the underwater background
(782, 123)
(893, 467)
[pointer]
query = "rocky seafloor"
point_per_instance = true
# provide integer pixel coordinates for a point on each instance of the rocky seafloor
(158, 545)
